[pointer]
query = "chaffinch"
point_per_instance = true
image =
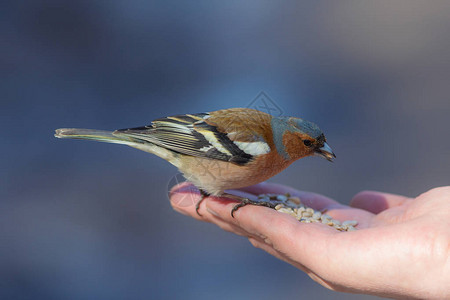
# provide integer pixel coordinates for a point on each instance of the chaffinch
(221, 150)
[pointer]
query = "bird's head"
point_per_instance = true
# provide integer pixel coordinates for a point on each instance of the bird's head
(295, 138)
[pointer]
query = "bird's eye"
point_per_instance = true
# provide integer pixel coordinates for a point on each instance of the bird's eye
(307, 143)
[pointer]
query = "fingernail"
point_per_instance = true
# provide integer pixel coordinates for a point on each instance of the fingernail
(183, 200)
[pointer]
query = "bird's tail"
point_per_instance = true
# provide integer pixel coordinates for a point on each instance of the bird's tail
(116, 137)
(92, 134)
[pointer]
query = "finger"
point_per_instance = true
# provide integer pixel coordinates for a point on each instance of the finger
(226, 225)
(185, 196)
(303, 245)
(269, 249)
(376, 202)
(313, 200)
(301, 242)
(319, 250)
(258, 243)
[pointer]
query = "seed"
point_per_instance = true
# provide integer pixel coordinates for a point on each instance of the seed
(282, 198)
(316, 215)
(293, 206)
(278, 206)
(295, 200)
(307, 214)
(325, 217)
(336, 222)
(285, 210)
(350, 223)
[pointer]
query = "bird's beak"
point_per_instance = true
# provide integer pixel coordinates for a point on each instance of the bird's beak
(326, 152)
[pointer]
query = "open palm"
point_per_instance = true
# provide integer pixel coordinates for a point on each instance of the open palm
(401, 248)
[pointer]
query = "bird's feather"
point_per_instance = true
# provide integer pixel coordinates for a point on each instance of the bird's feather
(206, 135)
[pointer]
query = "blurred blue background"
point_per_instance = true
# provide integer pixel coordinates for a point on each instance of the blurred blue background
(82, 220)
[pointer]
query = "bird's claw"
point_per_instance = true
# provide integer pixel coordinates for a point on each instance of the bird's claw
(268, 202)
(203, 195)
(246, 201)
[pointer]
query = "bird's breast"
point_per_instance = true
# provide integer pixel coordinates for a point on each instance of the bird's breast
(215, 176)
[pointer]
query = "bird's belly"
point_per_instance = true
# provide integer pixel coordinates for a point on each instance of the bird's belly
(215, 176)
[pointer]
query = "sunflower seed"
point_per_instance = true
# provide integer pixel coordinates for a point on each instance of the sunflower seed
(282, 198)
(350, 223)
(292, 206)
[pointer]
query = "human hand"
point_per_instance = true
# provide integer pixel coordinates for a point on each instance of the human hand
(401, 248)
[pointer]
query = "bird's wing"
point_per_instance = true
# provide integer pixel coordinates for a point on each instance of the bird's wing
(209, 135)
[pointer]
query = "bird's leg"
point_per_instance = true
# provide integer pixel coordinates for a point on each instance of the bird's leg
(203, 196)
(245, 201)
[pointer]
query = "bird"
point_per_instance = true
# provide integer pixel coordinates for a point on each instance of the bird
(221, 150)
